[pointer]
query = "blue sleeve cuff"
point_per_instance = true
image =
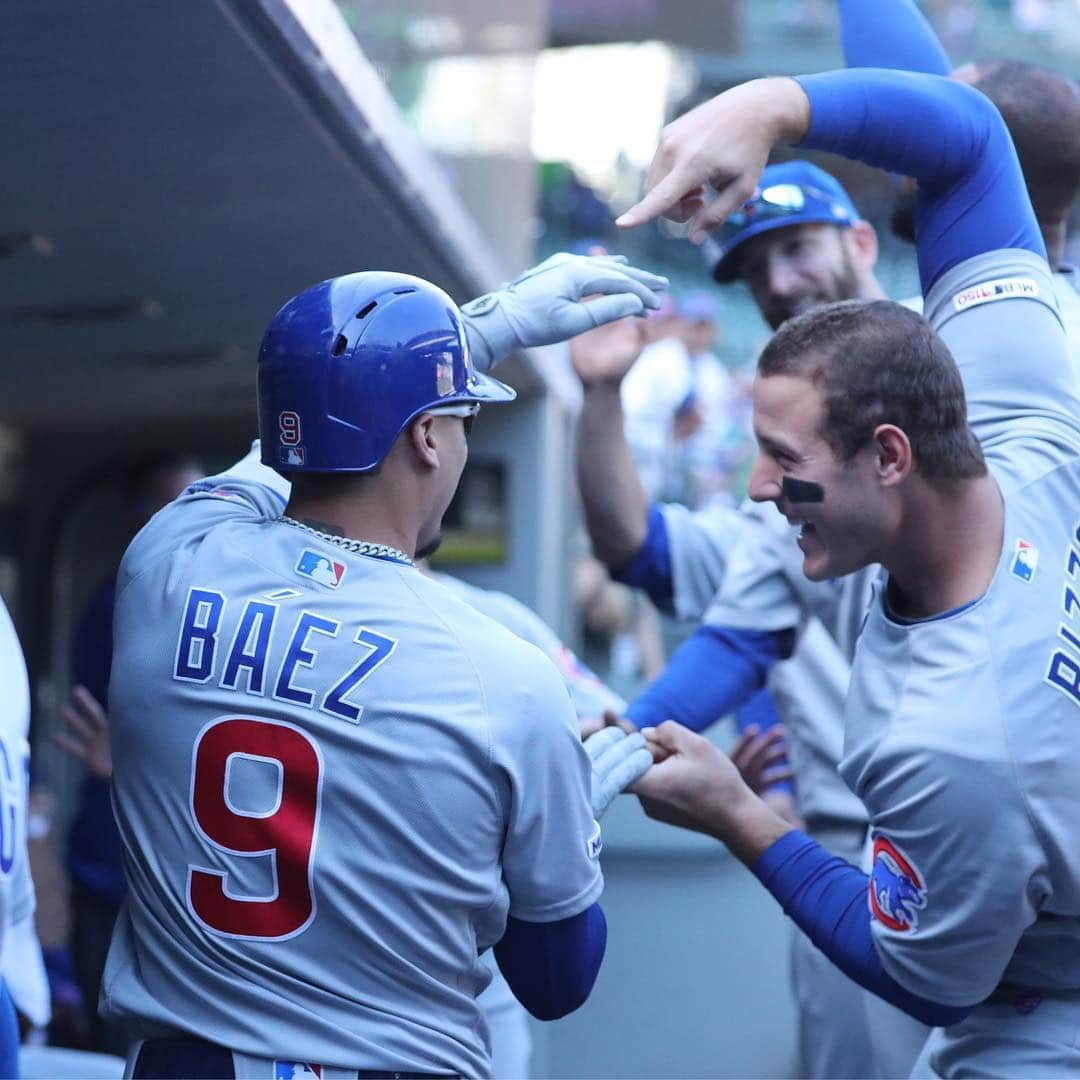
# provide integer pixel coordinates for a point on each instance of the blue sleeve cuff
(711, 673)
(826, 897)
(650, 568)
(551, 967)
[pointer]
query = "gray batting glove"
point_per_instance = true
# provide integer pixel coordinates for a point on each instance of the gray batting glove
(618, 760)
(545, 305)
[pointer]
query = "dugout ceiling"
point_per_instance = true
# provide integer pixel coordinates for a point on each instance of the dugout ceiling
(176, 169)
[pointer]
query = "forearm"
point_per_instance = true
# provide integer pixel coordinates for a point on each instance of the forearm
(890, 34)
(616, 506)
(826, 897)
(747, 826)
(711, 673)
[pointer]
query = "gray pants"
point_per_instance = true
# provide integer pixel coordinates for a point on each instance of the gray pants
(1007, 1039)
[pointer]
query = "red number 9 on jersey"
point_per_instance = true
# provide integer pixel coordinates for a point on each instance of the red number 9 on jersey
(286, 832)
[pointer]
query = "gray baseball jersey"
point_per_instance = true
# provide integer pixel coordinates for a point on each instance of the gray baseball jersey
(333, 781)
(590, 697)
(16, 885)
(588, 694)
(963, 731)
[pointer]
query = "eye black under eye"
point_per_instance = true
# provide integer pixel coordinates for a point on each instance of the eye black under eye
(467, 422)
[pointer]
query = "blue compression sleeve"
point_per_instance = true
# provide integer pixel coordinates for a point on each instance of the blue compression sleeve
(950, 138)
(826, 897)
(890, 34)
(712, 672)
(551, 967)
(650, 568)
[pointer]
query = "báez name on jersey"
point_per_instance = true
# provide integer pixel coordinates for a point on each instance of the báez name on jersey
(269, 653)
(1009, 288)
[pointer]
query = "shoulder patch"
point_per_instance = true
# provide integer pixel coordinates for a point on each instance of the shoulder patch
(1009, 288)
(897, 890)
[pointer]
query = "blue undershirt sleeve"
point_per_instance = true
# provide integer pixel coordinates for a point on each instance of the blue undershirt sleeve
(711, 673)
(650, 568)
(826, 897)
(890, 34)
(551, 967)
(950, 138)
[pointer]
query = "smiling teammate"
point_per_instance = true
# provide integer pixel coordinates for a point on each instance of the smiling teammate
(962, 736)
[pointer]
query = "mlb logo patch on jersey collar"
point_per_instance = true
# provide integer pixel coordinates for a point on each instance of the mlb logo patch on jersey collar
(1025, 559)
(1009, 288)
(320, 568)
(897, 891)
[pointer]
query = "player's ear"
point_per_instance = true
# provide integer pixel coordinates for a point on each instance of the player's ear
(423, 438)
(892, 454)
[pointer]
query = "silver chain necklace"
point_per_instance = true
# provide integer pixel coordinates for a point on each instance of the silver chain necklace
(359, 547)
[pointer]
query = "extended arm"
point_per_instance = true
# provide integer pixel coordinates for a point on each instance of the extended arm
(950, 138)
(709, 675)
(947, 136)
(616, 506)
(551, 967)
(695, 786)
(890, 34)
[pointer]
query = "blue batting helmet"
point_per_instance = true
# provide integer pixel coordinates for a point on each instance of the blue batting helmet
(791, 193)
(344, 367)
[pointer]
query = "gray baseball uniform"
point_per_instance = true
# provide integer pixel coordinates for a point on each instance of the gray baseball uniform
(962, 734)
(334, 780)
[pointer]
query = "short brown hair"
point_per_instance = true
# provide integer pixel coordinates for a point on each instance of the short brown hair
(1042, 112)
(876, 362)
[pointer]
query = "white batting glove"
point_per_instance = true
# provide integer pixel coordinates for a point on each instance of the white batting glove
(544, 305)
(618, 760)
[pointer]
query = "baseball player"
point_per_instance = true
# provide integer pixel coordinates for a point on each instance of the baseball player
(961, 736)
(337, 784)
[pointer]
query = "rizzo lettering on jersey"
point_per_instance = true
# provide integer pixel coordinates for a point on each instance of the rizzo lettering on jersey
(246, 655)
(1064, 670)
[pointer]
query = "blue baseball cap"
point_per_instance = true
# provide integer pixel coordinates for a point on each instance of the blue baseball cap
(792, 193)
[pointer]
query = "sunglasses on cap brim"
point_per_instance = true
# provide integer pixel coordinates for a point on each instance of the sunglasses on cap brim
(781, 201)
